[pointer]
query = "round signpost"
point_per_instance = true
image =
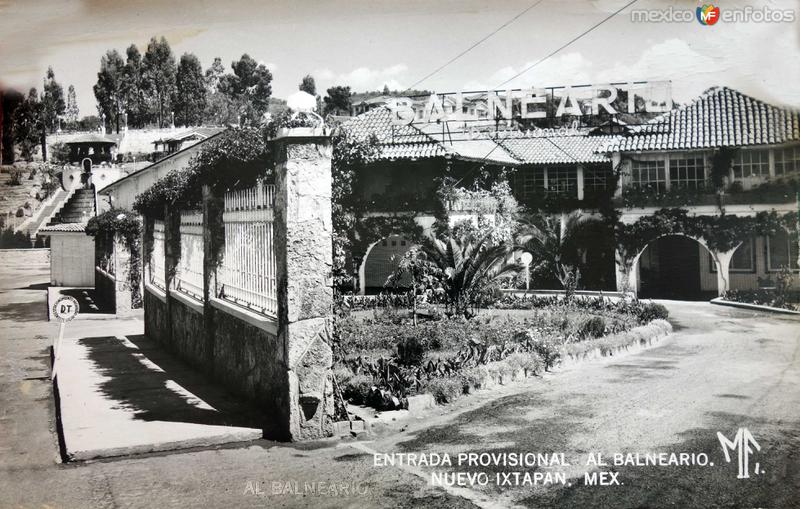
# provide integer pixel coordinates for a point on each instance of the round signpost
(64, 310)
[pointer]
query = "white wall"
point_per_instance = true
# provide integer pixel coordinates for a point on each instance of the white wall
(124, 192)
(71, 259)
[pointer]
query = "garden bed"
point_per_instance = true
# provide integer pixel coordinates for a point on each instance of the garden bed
(763, 298)
(382, 358)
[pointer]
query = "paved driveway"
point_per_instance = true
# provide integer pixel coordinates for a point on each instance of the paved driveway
(722, 369)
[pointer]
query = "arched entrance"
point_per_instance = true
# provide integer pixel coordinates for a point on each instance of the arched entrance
(381, 261)
(670, 268)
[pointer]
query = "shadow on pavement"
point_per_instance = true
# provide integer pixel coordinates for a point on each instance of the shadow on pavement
(87, 300)
(35, 311)
(155, 386)
(700, 486)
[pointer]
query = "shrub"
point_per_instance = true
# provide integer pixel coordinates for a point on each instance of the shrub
(528, 362)
(16, 178)
(548, 351)
(594, 327)
(357, 389)
(410, 351)
(474, 378)
(445, 390)
(20, 212)
(652, 311)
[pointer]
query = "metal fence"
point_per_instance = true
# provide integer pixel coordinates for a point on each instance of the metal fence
(189, 275)
(247, 275)
(157, 257)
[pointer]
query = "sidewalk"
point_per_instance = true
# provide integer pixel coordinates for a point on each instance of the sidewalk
(122, 394)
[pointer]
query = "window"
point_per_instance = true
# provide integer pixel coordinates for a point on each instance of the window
(687, 173)
(563, 180)
(528, 182)
(751, 163)
(649, 174)
(782, 251)
(595, 178)
(743, 259)
(787, 160)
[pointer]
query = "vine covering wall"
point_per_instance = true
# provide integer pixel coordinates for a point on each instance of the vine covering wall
(125, 225)
(720, 232)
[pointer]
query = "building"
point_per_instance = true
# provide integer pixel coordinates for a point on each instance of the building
(122, 193)
(671, 160)
(667, 162)
(98, 148)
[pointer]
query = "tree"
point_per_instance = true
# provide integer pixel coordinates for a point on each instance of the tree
(220, 106)
(553, 242)
(133, 88)
(109, 87)
(386, 90)
(471, 265)
(158, 72)
(426, 277)
(52, 100)
(11, 101)
(190, 97)
(308, 85)
(338, 100)
(29, 124)
(71, 111)
(251, 88)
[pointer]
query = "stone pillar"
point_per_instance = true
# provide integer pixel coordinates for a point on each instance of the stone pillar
(170, 262)
(723, 263)
(213, 230)
(304, 252)
(122, 278)
(626, 274)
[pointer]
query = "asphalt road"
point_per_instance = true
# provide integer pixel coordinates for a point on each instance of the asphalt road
(723, 369)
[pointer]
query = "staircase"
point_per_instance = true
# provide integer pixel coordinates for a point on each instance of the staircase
(40, 217)
(78, 208)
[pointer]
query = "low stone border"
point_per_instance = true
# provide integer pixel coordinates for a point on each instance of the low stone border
(630, 341)
(495, 373)
(755, 307)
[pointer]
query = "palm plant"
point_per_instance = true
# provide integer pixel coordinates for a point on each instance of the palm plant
(552, 240)
(471, 264)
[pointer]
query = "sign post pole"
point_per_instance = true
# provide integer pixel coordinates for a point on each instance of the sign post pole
(65, 309)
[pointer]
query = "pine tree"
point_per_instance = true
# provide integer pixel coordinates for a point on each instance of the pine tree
(158, 70)
(71, 112)
(52, 100)
(133, 88)
(308, 85)
(109, 87)
(190, 97)
(29, 124)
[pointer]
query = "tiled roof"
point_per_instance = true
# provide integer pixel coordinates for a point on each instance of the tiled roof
(64, 227)
(92, 138)
(558, 149)
(397, 142)
(721, 117)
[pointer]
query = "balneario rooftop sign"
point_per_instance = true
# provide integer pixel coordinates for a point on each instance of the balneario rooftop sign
(550, 103)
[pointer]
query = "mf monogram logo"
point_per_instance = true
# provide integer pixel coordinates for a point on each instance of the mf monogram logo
(741, 444)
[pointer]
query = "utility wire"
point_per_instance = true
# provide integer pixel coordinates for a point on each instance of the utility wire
(475, 45)
(565, 45)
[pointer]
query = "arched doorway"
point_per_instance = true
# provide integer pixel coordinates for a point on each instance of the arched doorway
(381, 261)
(672, 267)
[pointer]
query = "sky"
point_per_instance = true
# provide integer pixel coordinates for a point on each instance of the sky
(367, 44)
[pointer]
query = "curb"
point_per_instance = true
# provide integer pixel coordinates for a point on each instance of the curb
(425, 401)
(755, 307)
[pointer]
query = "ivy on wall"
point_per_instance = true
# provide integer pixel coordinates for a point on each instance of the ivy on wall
(236, 158)
(127, 226)
(721, 232)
